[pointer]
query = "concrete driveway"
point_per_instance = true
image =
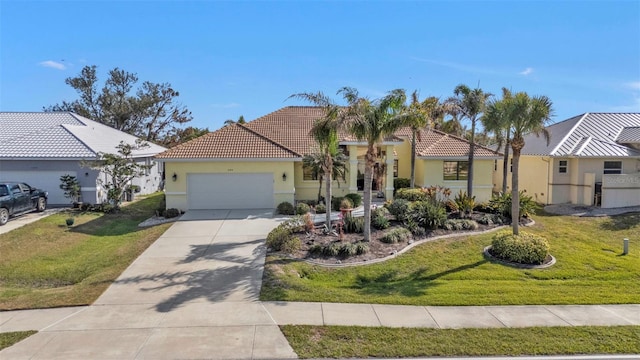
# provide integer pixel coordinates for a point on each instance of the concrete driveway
(22, 220)
(192, 294)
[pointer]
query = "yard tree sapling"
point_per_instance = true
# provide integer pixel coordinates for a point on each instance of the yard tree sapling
(120, 169)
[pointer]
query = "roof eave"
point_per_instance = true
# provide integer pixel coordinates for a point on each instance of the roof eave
(292, 159)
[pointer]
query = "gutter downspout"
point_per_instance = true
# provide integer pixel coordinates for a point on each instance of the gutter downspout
(548, 161)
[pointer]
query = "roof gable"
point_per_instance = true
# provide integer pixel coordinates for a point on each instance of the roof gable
(590, 134)
(233, 141)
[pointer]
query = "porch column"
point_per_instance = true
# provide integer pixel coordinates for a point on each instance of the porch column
(389, 180)
(353, 168)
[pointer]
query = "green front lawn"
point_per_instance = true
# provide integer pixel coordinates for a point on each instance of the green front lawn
(46, 264)
(9, 338)
(590, 270)
(377, 342)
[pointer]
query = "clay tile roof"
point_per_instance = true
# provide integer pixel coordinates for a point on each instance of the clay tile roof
(289, 126)
(435, 143)
(233, 141)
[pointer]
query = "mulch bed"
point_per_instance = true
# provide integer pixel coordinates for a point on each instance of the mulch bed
(377, 249)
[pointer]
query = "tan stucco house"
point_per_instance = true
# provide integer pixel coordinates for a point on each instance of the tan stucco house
(259, 164)
(593, 158)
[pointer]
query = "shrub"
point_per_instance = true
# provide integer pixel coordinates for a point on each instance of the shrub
(490, 219)
(285, 208)
(321, 209)
(316, 249)
(332, 249)
(335, 203)
(451, 206)
(302, 208)
(353, 224)
(356, 199)
(379, 218)
(437, 193)
(290, 244)
(411, 194)
(380, 222)
(348, 249)
(399, 208)
(427, 214)
(414, 227)
(279, 236)
(524, 248)
(362, 248)
(401, 183)
(345, 203)
(464, 202)
(396, 235)
(501, 204)
(171, 213)
(460, 224)
(309, 202)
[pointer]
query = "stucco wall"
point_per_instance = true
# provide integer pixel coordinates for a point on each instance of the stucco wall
(403, 155)
(308, 189)
(532, 180)
(432, 170)
(176, 191)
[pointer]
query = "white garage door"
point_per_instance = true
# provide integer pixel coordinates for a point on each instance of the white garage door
(230, 191)
(46, 180)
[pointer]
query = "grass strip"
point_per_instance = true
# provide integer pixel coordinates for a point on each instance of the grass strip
(9, 338)
(384, 342)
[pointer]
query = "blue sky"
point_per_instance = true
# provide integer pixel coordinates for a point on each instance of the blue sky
(231, 58)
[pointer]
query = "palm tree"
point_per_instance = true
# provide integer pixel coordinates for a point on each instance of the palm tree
(470, 103)
(420, 115)
(530, 114)
(497, 119)
(316, 162)
(370, 121)
(325, 133)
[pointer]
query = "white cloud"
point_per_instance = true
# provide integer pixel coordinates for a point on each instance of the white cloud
(634, 85)
(526, 72)
(225, 106)
(53, 64)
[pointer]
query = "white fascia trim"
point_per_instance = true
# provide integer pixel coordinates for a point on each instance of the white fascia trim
(459, 158)
(363, 143)
(566, 136)
(46, 158)
(232, 160)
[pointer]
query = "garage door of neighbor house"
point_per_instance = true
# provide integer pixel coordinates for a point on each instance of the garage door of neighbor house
(46, 180)
(230, 191)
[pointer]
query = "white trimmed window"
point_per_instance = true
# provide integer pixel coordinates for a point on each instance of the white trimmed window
(456, 170)
(562, 166)
(612, 167)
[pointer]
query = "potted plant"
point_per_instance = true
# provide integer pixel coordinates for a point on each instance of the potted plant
(70, 221)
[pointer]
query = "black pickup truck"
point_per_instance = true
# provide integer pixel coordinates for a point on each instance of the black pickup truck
(19, 198)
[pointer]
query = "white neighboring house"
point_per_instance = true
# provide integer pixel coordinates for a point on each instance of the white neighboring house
(39, 147)
(591, 159)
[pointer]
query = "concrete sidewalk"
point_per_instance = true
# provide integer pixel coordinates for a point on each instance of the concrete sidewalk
(140, 316)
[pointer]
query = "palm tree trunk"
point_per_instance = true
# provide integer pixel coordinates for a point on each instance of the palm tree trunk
(505, 166)
(368, 180)
(515, 195)
(329, 174)
(319, 188)
(471, 151)
(413, 159)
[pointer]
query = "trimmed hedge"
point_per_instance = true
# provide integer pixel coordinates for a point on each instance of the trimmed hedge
(524, 248)
(411, 194)
(302, 208)
(285, 208)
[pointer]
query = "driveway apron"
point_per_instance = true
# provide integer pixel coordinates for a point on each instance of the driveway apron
(194, 293)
